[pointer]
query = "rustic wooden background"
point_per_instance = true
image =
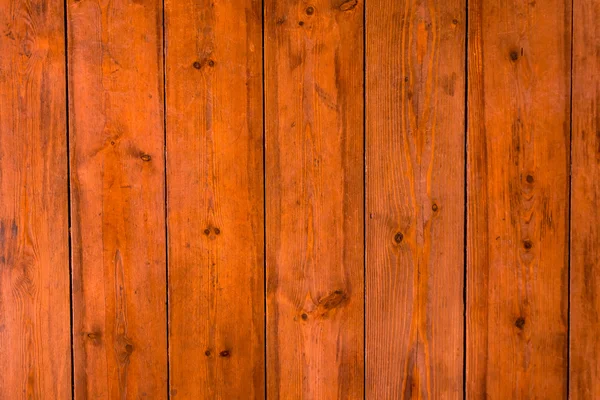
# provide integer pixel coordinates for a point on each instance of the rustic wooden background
(299, 199)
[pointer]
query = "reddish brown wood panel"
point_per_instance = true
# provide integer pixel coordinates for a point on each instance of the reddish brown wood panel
(215, 198)
(415, 198)
(34, 238)
(117, 189)
(518, 195)
(585, 198)
(314, 192)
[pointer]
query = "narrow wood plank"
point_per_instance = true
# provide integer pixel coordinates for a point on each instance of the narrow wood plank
(518, 170)
(215, 197)
(117, 181)
(585, 197)
(314, 162)
(415, 198)
(34, 239)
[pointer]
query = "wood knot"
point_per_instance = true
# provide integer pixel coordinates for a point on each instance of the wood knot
(527, 244)
(207, 353)
(529, 179)
(329, 303)
(398, 237)
(520, 322)
(211, 63)
(224, 353)
(434, 207)
(348, 5)
(310, 10)
(129, 348)
(514, 56)
(304, 316)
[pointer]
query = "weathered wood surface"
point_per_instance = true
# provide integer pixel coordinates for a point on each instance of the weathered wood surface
(314, 198)
(34, 238)
(117, 190)
(215, 199)
(585, 197)
(518, 197)
(415, 198)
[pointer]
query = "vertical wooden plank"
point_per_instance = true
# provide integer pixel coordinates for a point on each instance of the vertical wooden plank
(585, 198)
(117, 181)
(314, 168)
(34, 238)
(415, 198)
(215, 198)
(518, 167)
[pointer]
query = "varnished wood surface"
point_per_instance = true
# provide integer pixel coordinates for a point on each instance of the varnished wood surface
(34, 239)
(215, 198)
(314, 199)
(415, 198)
(117, 191)
(585, 195)
(298, 199)
(518, 198)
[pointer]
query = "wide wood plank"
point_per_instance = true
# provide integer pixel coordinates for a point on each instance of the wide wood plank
(415, 198)
(215, 197)
(518, 170)
(34, 238)
(117, 181)
(585, 198)
(314, 169)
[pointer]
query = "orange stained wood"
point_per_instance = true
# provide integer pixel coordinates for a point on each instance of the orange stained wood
(215, 199)
(415, 198)
(117, 192)
(518, 197)
(299, 199)
(34, 240)
(314, 199)
(585, 195)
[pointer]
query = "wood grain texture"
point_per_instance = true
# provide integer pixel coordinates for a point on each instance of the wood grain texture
(518, 170)
(314, 188)
(215, 197)
(415, 198)
(117, 183)
(34, 238)
(585, 198)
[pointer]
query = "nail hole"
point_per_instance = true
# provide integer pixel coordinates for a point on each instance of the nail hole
(514, 55)
(197, 65)
(310, 10)
(211, 63)
(207, 231)
(455, 21)
(207, 353)
(145, 157)
(434, 207)
(224, 353)
(527, 244)
(304, 317)
(301, 23)
(520, 322)
(217, 231)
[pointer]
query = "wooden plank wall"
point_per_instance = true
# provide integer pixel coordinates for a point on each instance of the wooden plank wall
(326, 199)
